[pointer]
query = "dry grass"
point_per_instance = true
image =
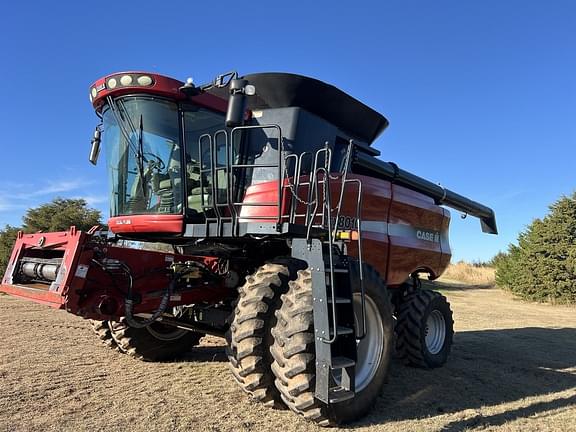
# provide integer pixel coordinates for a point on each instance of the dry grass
(468, 274)
(512, 369)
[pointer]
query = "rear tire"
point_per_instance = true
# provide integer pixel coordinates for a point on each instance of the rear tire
(157, 342)
(249, 338)
(425, 329)
(294, 352)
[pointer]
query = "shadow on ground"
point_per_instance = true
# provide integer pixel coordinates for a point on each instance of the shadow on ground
(216, 353)
(446, 285)
(487, 368)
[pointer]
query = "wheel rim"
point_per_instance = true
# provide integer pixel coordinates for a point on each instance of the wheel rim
(164, 332)
(435, 332)
(371, 346)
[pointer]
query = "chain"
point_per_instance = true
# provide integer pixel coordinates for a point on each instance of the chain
(294, 192)
(328, 177)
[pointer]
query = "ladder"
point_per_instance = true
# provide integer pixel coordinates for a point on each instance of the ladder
(333, 275)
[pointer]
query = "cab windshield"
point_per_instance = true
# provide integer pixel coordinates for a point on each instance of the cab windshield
(141, 137)
(142, 143)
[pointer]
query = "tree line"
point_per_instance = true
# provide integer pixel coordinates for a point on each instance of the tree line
(542, 266)
(57, 215)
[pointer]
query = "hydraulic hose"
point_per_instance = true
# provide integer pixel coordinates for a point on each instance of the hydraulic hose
(129, 308)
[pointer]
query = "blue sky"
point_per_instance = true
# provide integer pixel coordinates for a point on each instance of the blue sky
(481, 96)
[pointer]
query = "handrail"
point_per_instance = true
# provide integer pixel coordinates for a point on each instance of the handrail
(279, 165)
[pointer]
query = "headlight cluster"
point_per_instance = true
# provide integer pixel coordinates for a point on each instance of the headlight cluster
(124, 80)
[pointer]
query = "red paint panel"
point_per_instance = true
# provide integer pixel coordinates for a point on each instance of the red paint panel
(170, 224)
(412, 217)
(266, 192)
(48, 298)
(375, 203)
(412, 230)
(376, 196)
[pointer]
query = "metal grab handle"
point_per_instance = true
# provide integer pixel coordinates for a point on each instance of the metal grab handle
(202, 170)
(279, 165)
(360, 258)
(327, 207)
(344, 177)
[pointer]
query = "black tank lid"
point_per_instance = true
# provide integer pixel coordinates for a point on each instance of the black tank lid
(279, 90)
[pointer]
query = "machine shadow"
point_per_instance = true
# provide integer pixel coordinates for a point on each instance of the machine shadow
(204, 354)
(454, 286)
(487, 368)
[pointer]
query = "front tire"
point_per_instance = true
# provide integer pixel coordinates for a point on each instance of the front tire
(249, 336)
(156, 342)
(294, 351)
(102, 331)
(425, 329)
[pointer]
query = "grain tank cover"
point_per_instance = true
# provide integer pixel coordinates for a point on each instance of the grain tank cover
(280, 90)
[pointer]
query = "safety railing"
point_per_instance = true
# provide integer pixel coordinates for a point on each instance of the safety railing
(303, 196)
(320, 184)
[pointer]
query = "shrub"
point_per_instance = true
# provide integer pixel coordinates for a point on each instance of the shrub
(542, 267)
(7, 239)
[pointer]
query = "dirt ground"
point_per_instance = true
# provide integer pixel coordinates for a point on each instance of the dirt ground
(513, 368)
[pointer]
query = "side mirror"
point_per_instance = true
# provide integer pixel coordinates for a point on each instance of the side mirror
(95, 149)
(239, 89)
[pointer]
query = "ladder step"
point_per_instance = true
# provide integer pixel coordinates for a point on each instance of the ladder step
(339, 394)
(342, 362)
(336, 270)
(340, 330)
(340, 300)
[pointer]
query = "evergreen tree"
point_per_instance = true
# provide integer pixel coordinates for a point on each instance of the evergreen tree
(7, 239)
(58, 215)
(542, 266)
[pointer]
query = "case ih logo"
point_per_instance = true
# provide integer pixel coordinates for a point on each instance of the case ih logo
(430, 236)
(123, 222)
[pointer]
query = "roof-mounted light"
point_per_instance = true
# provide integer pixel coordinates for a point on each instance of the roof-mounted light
(126, 80)
(123, 80)
(144, 80)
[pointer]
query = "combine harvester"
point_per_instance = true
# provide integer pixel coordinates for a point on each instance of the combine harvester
(291, 239)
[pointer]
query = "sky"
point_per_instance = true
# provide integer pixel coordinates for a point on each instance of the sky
(481, 96)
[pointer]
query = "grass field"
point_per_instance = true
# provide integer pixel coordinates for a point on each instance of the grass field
(469, 275)
(513, 368)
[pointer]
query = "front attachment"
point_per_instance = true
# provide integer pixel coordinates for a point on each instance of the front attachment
(89, 276)
(40, 266)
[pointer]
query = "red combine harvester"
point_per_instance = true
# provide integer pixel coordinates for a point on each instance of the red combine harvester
(290, 237)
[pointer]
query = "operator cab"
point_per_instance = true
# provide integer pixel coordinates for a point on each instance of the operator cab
(149, 131)
(175, 154)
